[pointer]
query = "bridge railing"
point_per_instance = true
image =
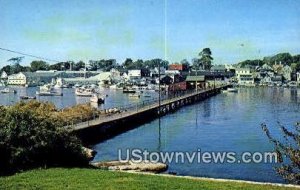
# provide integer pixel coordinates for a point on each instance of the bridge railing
(118, 112)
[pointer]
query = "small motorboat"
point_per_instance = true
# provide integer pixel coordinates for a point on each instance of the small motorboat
(85, 92)
(8, 90)
(48, 90)
(27, 97)
(49, 93)
(129, 90)
(97, 98)
(135, 95)
(230, 90)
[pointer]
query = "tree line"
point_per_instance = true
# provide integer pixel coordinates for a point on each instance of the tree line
(283, 58)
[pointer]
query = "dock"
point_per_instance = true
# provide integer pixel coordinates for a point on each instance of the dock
(109, 125)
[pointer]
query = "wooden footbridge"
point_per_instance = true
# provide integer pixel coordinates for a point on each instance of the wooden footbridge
(110, 124)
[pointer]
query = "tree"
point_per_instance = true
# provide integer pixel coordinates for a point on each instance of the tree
(39, 65)
(32, 136)
(184, 62)
(290, 149)
(7, 69)
(196, 64)
(206, 58)
(16, 67)
(128, 63)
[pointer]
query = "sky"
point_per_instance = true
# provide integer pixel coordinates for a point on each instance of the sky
(63, 30)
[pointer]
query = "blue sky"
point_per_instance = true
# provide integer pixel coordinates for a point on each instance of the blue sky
(172, 29)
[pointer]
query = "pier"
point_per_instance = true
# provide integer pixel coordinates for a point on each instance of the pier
(108, 125)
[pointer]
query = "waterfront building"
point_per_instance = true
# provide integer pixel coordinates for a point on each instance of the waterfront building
(287, 71)
(3, 75)
(244, 76)
(192, 81)
(218, 68)
(154, 72)
(135, 74)
(277, 79)
(31, 78)
(179, 67)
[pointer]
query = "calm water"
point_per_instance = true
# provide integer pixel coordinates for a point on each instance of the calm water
(115, 98)
(226, 122)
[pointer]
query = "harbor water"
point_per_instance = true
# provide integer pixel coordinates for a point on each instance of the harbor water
(227, 122)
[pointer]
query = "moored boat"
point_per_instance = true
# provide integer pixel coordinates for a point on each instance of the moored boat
(85, 92)
(135, 95)
(27, 97)
(48, 90)
(128, 90)
(8, 90)
(232, 90)
(97, 98)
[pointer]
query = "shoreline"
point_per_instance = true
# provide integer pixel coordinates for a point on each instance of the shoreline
(211, 179)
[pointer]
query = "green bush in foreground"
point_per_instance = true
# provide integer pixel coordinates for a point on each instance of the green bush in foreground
(290, 150)
(30, 136)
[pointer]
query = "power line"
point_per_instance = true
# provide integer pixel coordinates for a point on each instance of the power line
(29, 55)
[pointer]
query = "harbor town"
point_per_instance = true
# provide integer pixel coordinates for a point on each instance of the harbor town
(149, 94)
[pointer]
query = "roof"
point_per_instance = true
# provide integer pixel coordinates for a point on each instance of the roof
(218, 68)
(195, 78)
(40, 74)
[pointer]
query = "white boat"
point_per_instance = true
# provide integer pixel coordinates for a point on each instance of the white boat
(135, 95)
(48, 90)
(86, 92)
(230, 90)
(8, 90)
(97, 98)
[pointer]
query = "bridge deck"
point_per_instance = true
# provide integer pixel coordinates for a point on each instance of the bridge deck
(123, 115)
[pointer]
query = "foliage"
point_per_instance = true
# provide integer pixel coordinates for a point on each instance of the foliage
(290, 149)
(32, 136)
(283, 58)
(58, 178)
(206, 58)
(77, 113)
(104, 65)
(250, 63)
(39, 65)
(196, 63)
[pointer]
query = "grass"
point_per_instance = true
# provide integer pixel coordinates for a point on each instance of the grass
(75, 178)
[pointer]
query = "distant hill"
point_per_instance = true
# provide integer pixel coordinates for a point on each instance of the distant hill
(283, 58)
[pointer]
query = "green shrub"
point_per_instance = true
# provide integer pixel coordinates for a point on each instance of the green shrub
(31, 136)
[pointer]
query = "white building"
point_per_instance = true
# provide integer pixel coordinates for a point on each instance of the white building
(17, 79)
(244, 76)
(286, 72)
(134, 74)
(3, 75)
(298, 78)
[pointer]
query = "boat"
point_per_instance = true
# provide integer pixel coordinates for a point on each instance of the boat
(85, 92)
(27, 97)
(48, 90)
(292, 84)
(230, 90)
(8, 90)
(128, 90)
(48, 93)
(97, 98)
(135, 95)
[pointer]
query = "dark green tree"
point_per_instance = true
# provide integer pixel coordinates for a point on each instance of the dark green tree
(39, 65)
(206, 58)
